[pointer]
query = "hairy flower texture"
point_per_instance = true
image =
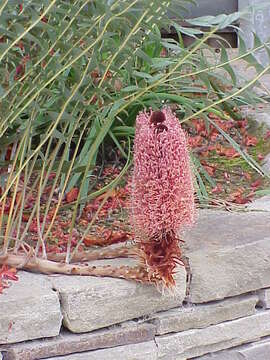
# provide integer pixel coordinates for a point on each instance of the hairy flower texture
(162, 199)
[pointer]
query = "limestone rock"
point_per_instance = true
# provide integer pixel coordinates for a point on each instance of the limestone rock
(261, 204)
(260, 113)
(264, 298)
(197, 342)
(203, 315)
(229, 254)
(258, 350)
(90, 303)
(68, 343)
(30, 309)
(142, 351)
(266, 163)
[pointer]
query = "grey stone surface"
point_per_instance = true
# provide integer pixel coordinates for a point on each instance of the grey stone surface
(29, 309)
(197, 342)
(90, 303)
(259, 350)
(244, 72)
(266, 163)
(264, 298)
(68, 343)
(256, 21)
(260, 113)
(229, 254)
(203, 315)
(261, 204)
(142, 351)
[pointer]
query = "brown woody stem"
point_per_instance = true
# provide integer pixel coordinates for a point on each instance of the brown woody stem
(45, 266)
(95, 254)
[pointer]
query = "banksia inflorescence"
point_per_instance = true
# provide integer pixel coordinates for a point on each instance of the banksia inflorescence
(162, 199)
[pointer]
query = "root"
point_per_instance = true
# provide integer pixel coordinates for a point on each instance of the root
(106, 253)
(161, 255)
(34, 264)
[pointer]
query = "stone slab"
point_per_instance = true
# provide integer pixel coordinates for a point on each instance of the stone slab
(29, 309)
(261, 204)
(143, 351)
(229, 254)
(244, 72)
(197, 342)
(260, 113)
(264, 298)
(259, 350)
(68, 343)
(266, 163)
(90, 303)
(203, 315)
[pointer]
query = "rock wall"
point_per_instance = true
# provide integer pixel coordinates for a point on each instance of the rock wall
(222, 313)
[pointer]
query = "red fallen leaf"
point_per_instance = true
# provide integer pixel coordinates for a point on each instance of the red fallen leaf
(256, 183)
(18, 197)
(204, 153)
(260, 156)
(217, 189)
(119, 236)
(210, 169)
(242, 123)
(199, 125)
(250, 140)
(195, 141)
(94, 74)
(20, 45)
(25, 217)
(108, 75)
(72, 195)
(247, 176)
(33, 226)
(51, 176)
(241, 200)
(228, 152)
(267, 135)
(214, 135)
(91, 240)
(8, 273)
(19, 71)
(213, 116)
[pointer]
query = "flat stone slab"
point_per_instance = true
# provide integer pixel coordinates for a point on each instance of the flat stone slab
(229, 254)
(90, 303)
(260, 113)
(203, 315)
(29, 309)
(258, 350)
(143, 351)
(197, 342)
(264, 298)
(68, 343)
(261, 204)
(243, 71)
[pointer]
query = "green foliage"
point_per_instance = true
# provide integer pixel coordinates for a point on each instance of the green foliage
(74, 75)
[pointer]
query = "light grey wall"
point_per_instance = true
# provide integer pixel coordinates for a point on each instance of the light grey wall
(212, 7)
(258, 22)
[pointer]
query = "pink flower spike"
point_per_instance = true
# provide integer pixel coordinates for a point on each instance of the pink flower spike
(162, 199)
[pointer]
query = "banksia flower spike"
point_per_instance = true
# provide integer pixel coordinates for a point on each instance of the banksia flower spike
(162, 199)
